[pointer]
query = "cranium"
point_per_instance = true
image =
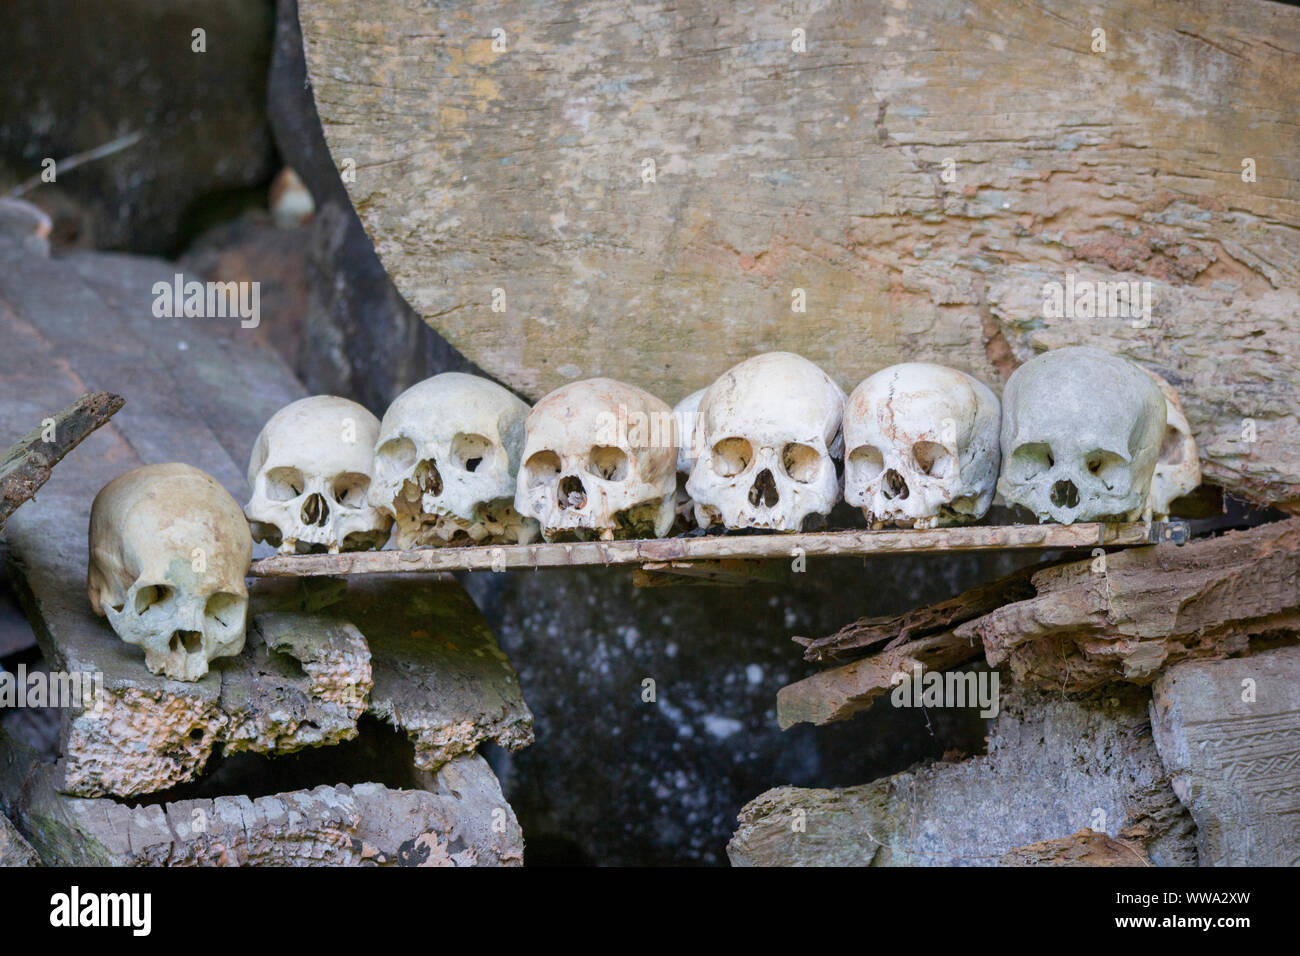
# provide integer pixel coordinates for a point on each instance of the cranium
(446, 462)
(310, 472)
(770, 430)
(169, 549)
(1178, 469)
(921, 446)
(600, 460)
(1081, 432)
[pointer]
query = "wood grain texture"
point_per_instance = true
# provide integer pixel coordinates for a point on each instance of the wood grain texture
(823, 170)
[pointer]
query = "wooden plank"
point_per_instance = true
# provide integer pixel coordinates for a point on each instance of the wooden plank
(663, 551)
(27, 465)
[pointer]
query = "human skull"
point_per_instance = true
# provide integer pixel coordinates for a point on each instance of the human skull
(921, 446)
(599, 460)
(1178, 469)
(770, 433)
(310, 472)
(446, 462)
(1081, 432)
(687, 414)
(169, 549)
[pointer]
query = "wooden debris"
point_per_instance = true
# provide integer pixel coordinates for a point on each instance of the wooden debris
(840, 692)
(1085, 848)
(28, 464)
(462, 820)
(899, 629)
(1141, 610)
(659, 553)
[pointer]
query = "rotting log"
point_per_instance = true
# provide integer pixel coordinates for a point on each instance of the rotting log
(1123, 616)
(888, 170)
(462, 819)
(28, 464)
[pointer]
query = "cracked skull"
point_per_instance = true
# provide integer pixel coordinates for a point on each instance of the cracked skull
(600, 460)
(446, 463)
(169, 549)
(1178, 469)
(1081, 433)
(770, 430)
(310, 472)
(687, 414)
(921, 446)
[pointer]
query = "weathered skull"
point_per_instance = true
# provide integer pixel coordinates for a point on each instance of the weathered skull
(687, 414)
(1178, 469)
(310, 473)
(1081, 432)
(770, 431)
(921, 446)
(169, 549)
(446, 463)
(600, 459)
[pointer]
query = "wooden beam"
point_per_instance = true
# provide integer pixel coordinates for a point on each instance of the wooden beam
(663, 551)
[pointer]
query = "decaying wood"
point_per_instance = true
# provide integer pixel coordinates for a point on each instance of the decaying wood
(461, 820)
(1147, 608)
(756, 547)
(840, 692)
(1076, 625)
(28, 464)
(898, 629)
(888, 169)
(1085, 848)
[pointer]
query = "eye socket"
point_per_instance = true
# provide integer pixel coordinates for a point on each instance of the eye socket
(469, 451)
(933, 459)
(731, 456)
(867, 462)
(607, 462)
(284, 484)
(350, 489)
(542, 468)
(395, 457)
(226, 609)
(1030, 460)
(150, 596)
(801, 462)
(1104, 465)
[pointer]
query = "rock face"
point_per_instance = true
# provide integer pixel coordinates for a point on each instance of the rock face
(617, 779)
(564, 192)
(14, 850)
(1053, 768)
(201, 116)
(1229, 732)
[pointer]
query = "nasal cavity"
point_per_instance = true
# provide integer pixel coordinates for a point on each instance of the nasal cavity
(894, 486)
(572, 494)
(1065, 494)
(764, 493)
(315, 510)
(427, 478)
(191, 642)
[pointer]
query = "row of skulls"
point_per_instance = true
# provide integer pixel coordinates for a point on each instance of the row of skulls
(1079, 435)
